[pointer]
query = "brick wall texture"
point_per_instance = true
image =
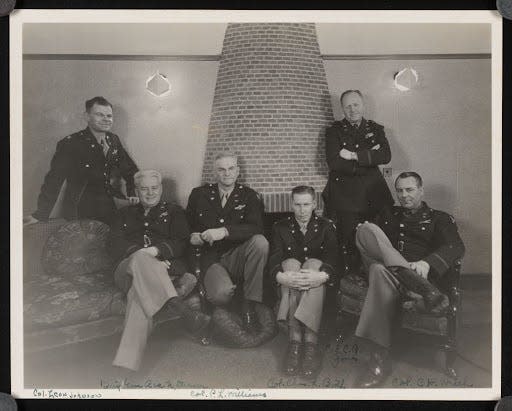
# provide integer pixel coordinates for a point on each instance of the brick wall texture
(271, 107)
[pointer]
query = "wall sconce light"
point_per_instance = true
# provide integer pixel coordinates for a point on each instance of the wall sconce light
(406, 79)
(158, 85)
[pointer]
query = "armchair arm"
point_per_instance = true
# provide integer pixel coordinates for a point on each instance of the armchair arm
(196, 270)
(453, 282)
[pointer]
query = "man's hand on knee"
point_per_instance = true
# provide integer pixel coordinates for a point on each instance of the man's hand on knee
(152, 251)
(421, 267)
(360, 224)
(214, 234)
(290, 279)
(302, 280)
(195, 239)
(314, 278)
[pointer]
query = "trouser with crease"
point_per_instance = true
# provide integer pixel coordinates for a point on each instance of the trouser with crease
(149, 285)
(384, 291)
(243, 266)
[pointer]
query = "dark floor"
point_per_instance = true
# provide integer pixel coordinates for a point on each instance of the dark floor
(173, 360)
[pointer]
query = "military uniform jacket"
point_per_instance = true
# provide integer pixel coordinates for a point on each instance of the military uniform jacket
(429, 235)
(318, 242)
(80, 161)
(165, 227)
(242, 216)
(356, 186)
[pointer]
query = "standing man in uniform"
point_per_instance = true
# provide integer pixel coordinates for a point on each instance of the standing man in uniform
(148, 241)
(89, 161)
(410, 249)
(303, 256)
(356, 190)
(226, 219)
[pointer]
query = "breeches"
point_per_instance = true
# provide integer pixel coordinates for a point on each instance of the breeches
(243, 265)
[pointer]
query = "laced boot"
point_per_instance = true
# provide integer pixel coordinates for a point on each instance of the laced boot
(293, 358)
(311, 361)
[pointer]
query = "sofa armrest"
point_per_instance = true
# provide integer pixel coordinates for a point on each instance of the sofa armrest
(34, 240)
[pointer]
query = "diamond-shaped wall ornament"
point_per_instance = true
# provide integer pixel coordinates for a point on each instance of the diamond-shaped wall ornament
(406, 79)
(158, 85)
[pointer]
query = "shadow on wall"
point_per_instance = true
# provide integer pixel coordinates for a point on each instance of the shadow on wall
(169, 193)
(121, 124)
(438, 191)
(321, 160)
(242, 163)
(400, 160)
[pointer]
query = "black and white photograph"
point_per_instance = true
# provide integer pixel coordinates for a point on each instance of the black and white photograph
(256, 205)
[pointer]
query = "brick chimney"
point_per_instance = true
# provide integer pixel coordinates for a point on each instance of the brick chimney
(271, 107)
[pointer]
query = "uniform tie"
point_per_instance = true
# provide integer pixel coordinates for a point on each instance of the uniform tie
(224, 199)
(303, 228)
(105, 145)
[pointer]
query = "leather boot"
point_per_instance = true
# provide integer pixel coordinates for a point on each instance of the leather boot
(195, 322)
(292, 363)
(379, 368)
(311, 361)
(435, 301)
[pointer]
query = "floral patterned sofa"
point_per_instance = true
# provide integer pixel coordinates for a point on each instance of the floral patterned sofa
(69, 294)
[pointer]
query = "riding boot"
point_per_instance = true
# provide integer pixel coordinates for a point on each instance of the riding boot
(435, 301)
(195, 321)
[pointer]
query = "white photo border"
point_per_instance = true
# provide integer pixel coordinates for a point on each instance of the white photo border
(19, 17)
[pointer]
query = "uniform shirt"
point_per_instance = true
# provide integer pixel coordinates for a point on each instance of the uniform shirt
(429, 235)
(79, 160)
(289, 242)
(242, 216)
(357, 185)
(165, 227)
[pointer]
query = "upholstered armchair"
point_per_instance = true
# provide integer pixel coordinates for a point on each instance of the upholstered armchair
(439, 332)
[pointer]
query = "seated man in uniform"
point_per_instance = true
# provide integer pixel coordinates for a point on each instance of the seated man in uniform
(409, 249)
(226, 219)
(148, 241)
(303, 257)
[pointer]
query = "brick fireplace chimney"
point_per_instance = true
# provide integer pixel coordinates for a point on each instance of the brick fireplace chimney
(271, 107)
